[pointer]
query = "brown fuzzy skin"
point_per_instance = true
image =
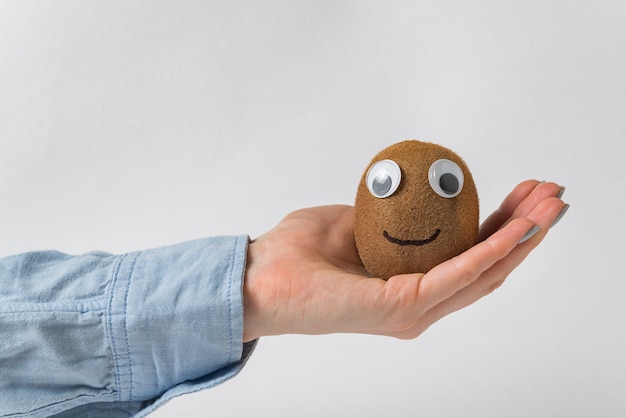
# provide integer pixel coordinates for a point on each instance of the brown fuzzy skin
(414, 212)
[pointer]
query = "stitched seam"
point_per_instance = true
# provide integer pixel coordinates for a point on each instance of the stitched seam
(110, 322)
(130, 368)
(230, 298)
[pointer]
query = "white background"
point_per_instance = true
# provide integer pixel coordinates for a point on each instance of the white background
(133, 124)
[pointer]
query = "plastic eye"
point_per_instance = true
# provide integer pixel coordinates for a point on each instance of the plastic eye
(446, 178)
(383, 178)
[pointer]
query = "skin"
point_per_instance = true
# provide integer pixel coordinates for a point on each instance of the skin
(305, 276)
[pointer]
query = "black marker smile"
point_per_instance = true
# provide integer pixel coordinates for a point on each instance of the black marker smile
(399, 241)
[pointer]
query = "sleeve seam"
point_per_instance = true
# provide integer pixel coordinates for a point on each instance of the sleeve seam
(115, 274)
(236, 351)
(119, 339)
(230, 299)
(130, 364)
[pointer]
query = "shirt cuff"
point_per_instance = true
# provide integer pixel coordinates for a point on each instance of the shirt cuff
(176, 319)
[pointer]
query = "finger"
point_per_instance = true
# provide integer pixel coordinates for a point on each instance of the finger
(542, 192)
(519, 204)
(506, 209)
(448, 278)
(544, 216)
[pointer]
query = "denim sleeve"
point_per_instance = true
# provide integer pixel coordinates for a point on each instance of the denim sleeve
(119, 335)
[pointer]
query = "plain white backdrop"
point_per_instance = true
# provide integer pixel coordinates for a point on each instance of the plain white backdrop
(133, 124)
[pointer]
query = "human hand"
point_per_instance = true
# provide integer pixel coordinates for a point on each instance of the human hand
(305, 276)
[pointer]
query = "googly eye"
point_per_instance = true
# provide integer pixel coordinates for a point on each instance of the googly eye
(383, 178)
(446, 178)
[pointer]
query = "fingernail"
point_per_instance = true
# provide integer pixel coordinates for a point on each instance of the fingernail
(560, 193)
(560, 215)
(531, 232)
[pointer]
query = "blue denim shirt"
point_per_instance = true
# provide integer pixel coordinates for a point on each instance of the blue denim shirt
(119, 335)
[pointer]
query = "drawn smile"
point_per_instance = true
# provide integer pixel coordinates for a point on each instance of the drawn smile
(399, 241)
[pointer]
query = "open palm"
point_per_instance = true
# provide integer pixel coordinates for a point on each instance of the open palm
(305, 275)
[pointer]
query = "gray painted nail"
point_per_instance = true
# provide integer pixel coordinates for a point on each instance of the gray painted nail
(560, 215)
(560, 193)
(529, 234)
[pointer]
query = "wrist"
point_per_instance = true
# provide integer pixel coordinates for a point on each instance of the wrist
(251, 306)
